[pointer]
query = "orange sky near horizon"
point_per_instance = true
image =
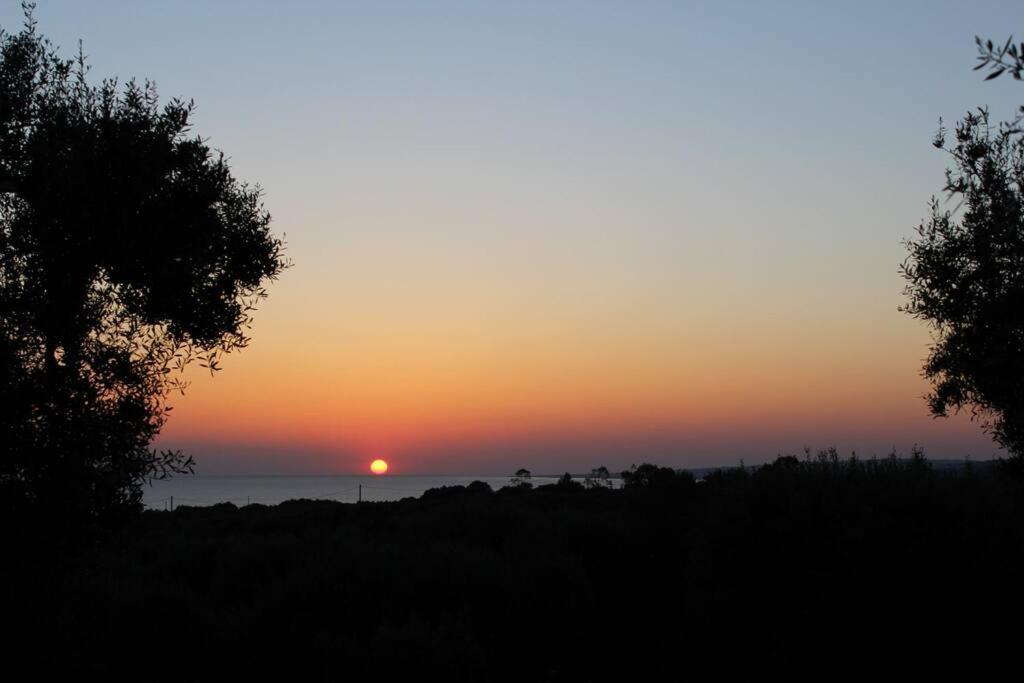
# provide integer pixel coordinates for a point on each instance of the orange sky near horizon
(351, 382)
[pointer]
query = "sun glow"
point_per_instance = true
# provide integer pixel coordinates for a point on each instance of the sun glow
(378, 466)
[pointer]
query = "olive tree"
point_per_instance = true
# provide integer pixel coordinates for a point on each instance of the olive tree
(965, 270)
(127, 251)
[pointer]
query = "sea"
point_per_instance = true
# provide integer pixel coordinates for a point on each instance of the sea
(202, 490)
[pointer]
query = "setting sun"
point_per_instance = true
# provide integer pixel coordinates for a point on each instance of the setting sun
(378, 466)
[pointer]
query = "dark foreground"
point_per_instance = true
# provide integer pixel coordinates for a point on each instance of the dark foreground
(816, 569)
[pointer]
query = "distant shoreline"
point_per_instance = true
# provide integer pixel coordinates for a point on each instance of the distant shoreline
(938, 463)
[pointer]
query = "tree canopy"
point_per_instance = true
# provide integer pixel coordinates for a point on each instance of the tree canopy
(965, 271)
(127, 250)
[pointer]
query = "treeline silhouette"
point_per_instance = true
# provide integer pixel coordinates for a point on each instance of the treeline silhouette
(806, 568)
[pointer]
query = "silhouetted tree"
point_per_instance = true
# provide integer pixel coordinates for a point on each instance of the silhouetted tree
(127, 250)
(653, 476)
(567, 482)
(965, 274)
(521, 478)
(599, 477)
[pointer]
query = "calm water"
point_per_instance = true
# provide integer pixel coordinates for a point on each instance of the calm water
(270, 490)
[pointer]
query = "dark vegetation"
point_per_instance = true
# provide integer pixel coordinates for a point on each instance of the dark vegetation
(127, 251)
(810, 569)
(965, 268)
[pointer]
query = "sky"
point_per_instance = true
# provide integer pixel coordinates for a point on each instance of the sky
(559, 235)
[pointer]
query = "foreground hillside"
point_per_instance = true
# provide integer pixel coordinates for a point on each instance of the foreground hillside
(802, 570)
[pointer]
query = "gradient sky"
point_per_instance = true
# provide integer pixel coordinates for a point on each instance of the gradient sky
(565, 234)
